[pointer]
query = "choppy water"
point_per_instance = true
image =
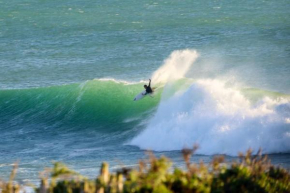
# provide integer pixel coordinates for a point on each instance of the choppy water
(69, 72)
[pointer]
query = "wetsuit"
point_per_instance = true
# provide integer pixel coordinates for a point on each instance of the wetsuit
(148, 89)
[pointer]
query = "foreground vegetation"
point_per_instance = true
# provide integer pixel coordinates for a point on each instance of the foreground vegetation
(247, 174)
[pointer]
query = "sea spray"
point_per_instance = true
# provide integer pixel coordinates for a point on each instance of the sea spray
(175, 67)
(220, 119)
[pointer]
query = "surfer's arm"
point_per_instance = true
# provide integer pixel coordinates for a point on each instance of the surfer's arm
(149, 82)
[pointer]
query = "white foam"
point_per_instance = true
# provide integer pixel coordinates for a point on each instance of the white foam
(119, 81)
(220, 119)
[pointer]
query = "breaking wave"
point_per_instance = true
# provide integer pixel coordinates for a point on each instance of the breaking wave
(221, 118)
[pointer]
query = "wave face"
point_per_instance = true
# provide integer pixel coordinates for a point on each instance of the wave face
(222, 119)
(104, 105)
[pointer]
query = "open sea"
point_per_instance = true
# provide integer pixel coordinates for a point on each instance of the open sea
(69, 71)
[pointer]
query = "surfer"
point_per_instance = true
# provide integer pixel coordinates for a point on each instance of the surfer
(148, 88)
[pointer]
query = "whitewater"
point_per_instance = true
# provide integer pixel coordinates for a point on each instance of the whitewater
(217, 117)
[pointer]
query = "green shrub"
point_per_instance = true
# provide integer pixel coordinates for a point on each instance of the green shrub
(247, 174)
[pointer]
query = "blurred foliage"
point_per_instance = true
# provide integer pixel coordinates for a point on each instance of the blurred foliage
(247, 174)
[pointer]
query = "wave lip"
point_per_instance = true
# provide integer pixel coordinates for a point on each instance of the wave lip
(220, 119)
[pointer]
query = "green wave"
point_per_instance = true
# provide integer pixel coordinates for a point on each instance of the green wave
(106, 105)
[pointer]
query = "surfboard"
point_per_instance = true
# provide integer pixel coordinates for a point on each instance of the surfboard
(140, 95)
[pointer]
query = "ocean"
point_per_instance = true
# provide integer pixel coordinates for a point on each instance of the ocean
(69, 71)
